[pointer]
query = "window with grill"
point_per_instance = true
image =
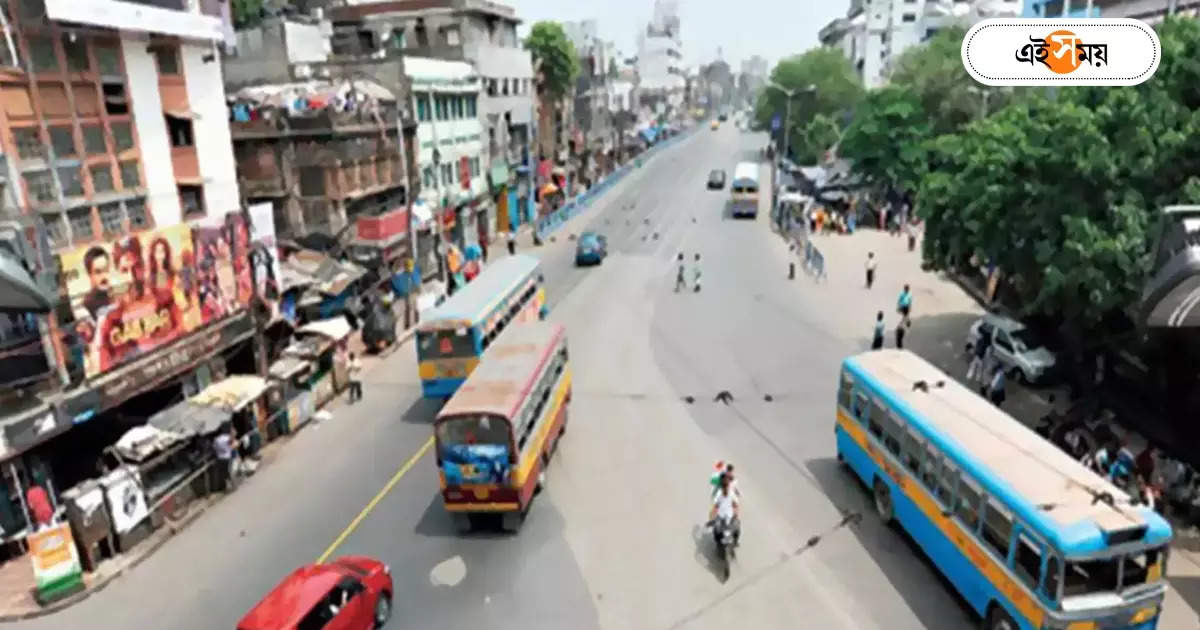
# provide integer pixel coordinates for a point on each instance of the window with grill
(312, 181)
(41, 186)
(112, 219)
(191, 199)
(71, 180)
(63, 141)
(56, 230)
(180, 132)
(29, 143)
(122, 135)
(130, 177)
(93, 140)
(115, 101)
(167, 59)
(423, 107)
(81, 224)
(136, 210)
(42, 55)
(75, 50)
(108, 59)
(102, 179)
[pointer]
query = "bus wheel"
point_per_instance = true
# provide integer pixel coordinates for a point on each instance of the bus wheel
(511, 522)
(883, 501)
(998, 619)
(462, 522)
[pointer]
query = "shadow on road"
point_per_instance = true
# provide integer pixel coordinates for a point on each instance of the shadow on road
(422, 411)
(1188, 588)
(706, 552)
(896, 554)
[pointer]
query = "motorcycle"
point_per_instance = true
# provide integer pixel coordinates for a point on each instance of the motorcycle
(723, 535)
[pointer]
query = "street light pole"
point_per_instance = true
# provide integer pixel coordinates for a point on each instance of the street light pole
(787, 133)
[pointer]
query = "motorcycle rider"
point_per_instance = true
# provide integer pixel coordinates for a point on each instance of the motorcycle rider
(726, 508)
(726, 469)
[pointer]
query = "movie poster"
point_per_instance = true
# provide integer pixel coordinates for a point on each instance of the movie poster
(265, 260)
(141, 291)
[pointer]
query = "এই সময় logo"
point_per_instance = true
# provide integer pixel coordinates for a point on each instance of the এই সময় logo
(1062, 51)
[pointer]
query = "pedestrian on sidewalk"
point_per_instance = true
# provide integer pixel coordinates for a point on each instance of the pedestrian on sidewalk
(870, 269)
(483, 246)
(696, 275)
(904, 303)
(877, 339)
(680, 281)
(979, 355)
(512, 243)
(222, 446)
(995, 389)
(905, 324)
(354, 367)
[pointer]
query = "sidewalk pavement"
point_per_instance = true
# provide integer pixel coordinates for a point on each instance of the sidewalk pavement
(941, 313)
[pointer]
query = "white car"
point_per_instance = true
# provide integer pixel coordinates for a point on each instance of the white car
(1015, 346)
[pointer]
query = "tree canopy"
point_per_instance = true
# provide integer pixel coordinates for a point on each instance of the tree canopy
(815, 117)
(247, 13)
(554, 56)
(887, 138)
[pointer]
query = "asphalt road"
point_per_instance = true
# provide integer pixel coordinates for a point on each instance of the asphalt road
(614, 542)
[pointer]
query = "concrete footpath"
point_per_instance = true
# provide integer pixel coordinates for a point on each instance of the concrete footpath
(941, 314)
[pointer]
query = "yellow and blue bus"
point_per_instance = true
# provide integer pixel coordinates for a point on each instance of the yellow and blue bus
(1030, 537)
(454, 335)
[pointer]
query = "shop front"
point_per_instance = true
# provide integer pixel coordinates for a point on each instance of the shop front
(292, 379)
(324, 345)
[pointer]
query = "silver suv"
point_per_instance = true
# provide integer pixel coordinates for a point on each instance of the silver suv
(1015, 347)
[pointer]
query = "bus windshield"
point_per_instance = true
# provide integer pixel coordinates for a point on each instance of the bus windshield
(744, 187)
(473, 449)
(446, 344)
(1101, 575)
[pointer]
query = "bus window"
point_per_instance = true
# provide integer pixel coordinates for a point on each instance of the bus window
(861, 405)
(1053, 577)
(947, 483)
(875, 426)
(446, 344)
(893, 432)
(914, 447)
(968, 503)
(1027, 561)
(846, 391)
(997, 528)
(1090, 576)
(1142, 568)
(933, 467)
(472, 430)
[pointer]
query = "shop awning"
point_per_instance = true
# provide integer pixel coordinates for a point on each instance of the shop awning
(233, 393)
(335, 328)
(183, 113)
(188, 418)
(287, 367)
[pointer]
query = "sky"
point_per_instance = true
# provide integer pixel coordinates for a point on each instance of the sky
(771, 28)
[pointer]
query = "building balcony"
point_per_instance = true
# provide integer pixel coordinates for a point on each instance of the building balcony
(323, 123)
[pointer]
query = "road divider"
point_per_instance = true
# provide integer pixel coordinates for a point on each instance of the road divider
(546, 225)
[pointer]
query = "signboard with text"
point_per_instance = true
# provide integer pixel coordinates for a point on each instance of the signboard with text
(56, 568)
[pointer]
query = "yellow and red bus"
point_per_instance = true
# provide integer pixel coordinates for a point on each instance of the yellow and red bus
(495, 436)
(452, 338)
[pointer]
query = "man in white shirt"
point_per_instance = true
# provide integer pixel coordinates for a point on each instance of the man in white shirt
(726, 507)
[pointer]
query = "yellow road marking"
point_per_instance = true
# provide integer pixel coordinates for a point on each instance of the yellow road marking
(412, 461)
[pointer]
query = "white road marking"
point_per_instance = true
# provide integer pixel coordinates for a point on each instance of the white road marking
(449, 572)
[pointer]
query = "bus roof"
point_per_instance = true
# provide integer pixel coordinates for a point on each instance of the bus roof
(476, 300)
(506, 374)
(746, 170)
(1042, 485)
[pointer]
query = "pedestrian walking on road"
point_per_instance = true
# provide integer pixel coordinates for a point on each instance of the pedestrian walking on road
(680, 282)
(904, 304)
(355, 368)
(512, 243)
(870, 269)
(979, 356)
(905, 324)
(877, 340)
(995, 389)
(696, 275)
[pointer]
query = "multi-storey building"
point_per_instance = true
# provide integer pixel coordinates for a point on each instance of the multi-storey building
(875, 32)
(119, 172)
(1149, 11)
(333, 166)
(479, 32)
(591, 98)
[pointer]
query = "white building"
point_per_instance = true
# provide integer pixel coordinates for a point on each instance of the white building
(660, 53)
(874, 33)
(452, 150)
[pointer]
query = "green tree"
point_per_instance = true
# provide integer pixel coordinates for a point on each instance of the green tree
(554, 56)
(247, 13)
(887, 139)
(837, 91)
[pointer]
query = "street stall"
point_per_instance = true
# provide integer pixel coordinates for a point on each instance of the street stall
(323, 343)
(244, 396)
(292, 393)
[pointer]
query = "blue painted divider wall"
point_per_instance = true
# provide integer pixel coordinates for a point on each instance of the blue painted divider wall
(551, 222)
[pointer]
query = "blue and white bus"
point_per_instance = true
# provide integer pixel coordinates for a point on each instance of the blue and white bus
(1030, 537)
(454, 335)
(743, 196)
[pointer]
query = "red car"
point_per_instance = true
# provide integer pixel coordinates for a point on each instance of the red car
(350, 593)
